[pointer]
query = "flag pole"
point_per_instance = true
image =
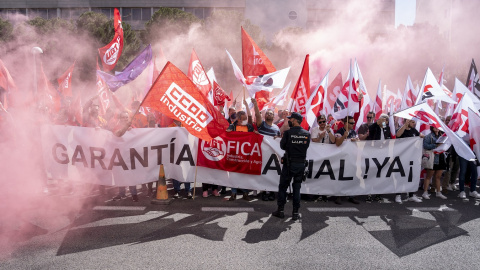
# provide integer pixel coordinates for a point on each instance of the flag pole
(195, 182)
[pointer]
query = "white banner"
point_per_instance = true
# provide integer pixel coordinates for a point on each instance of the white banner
(354, 168)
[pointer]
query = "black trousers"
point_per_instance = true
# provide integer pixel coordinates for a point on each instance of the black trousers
(296, 172)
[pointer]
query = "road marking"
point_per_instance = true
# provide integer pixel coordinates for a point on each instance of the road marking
(332, 209)
(119, 208)
(228, 209)
(431, 209)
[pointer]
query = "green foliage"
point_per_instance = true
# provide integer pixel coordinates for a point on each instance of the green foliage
(6, 30)
(168, 20)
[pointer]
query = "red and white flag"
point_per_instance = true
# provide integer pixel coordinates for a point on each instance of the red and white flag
(110, 53)
(459, 121)
(378, 103)
(197, 74)
(366, 101)
(315, 102)
(6, 81)
(65, 82)
(176, 96)
(347, 100)
(266, 82)
(331, 94)
(409, 95)
(236, 70)
(219, 95)
(423, 113)
(279, 99)
(474, 132)
(255, 63)
(431, 90)
(301, 92)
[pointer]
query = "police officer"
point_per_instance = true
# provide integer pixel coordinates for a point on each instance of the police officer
(295, 142)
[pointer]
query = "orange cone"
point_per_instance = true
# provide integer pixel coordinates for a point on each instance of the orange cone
(162, 193)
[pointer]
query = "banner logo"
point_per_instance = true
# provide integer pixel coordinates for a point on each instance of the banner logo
(185, 107)
(198, 75)
(111, 54)
(215, 149)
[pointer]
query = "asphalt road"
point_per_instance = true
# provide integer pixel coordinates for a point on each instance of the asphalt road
(213, 233)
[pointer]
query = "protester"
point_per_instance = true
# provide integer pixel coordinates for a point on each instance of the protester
(295, 142)
(450, 175)
(279, 117)
(241, 125)
(346, 133)
(232, 116)
(363, 129)
(176, 183)
(122, 126)
(464, 165)
(267, 128)
(406, 131)
(322, 133)
(439, 163)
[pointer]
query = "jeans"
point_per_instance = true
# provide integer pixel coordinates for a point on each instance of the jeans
(296, 171)
(176, 186)
(122, 190)
(463, 170)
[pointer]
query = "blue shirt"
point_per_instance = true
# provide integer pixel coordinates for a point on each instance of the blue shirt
(268, 130)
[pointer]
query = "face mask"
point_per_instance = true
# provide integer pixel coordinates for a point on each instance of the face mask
(233, 116)
(290, 124)
(384, 125)
(244, 123)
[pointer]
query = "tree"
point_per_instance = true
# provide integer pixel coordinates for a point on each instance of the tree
(166, 21)
(6, 30)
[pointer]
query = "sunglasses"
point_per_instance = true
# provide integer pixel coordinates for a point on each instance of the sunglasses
(351, 123)
(368, 117)
(322, 122)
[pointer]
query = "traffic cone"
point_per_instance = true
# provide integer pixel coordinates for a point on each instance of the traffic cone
(162, 193)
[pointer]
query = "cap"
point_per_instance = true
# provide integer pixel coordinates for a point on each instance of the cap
(296, 115)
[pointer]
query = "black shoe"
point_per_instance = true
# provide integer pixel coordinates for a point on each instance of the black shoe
(264, 196)
(271, 196)
(223, 191)
(278, 214)
(233, 197)
(352, 200)
(337, 201)
(135, 198)
(369, 199)
(118, 197)
(295, 216)
(324, 198)
(378, 198)
(246, 197)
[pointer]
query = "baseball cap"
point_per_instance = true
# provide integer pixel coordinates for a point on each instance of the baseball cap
(296, 115)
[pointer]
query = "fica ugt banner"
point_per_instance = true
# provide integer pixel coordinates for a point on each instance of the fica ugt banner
(235, 152)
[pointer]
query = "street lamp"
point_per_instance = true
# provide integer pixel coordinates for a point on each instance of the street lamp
(35, 50)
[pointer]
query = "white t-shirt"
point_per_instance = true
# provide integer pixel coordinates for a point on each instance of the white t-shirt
(315, 131)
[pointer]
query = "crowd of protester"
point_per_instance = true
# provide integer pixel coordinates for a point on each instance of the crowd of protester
(440, 180)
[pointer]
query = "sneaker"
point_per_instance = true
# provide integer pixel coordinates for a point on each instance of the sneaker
(264, 196)
(233, 197)
(205, 194)
(271, 196)
(369, 199)
(378, 198)
(426, 196)
(398, 198)
(278, 214)
(475, 195)
(189, 195)
(176, 195)
(295, 216)
(462, 195)
(135, 198)
(246, 197)
(414, 198)
(440, 195)
(215, 193)
(352, 200)
(118, 197)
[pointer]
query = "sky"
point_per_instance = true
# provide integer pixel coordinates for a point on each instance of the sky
(404, 12)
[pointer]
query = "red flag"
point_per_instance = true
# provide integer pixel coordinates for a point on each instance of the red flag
(233, 152)
(255, 63)
(219, 95)
(78, 110)
(102, 91)
(65, 82)
(48, 92)
(301, 92)
(377, 105)
(176, 96)
(6, 81)
(197, 74)
(110, 54)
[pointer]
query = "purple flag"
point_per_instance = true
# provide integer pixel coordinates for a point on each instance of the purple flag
(130, 72)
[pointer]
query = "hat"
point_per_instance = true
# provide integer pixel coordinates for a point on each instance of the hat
(296, 115)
